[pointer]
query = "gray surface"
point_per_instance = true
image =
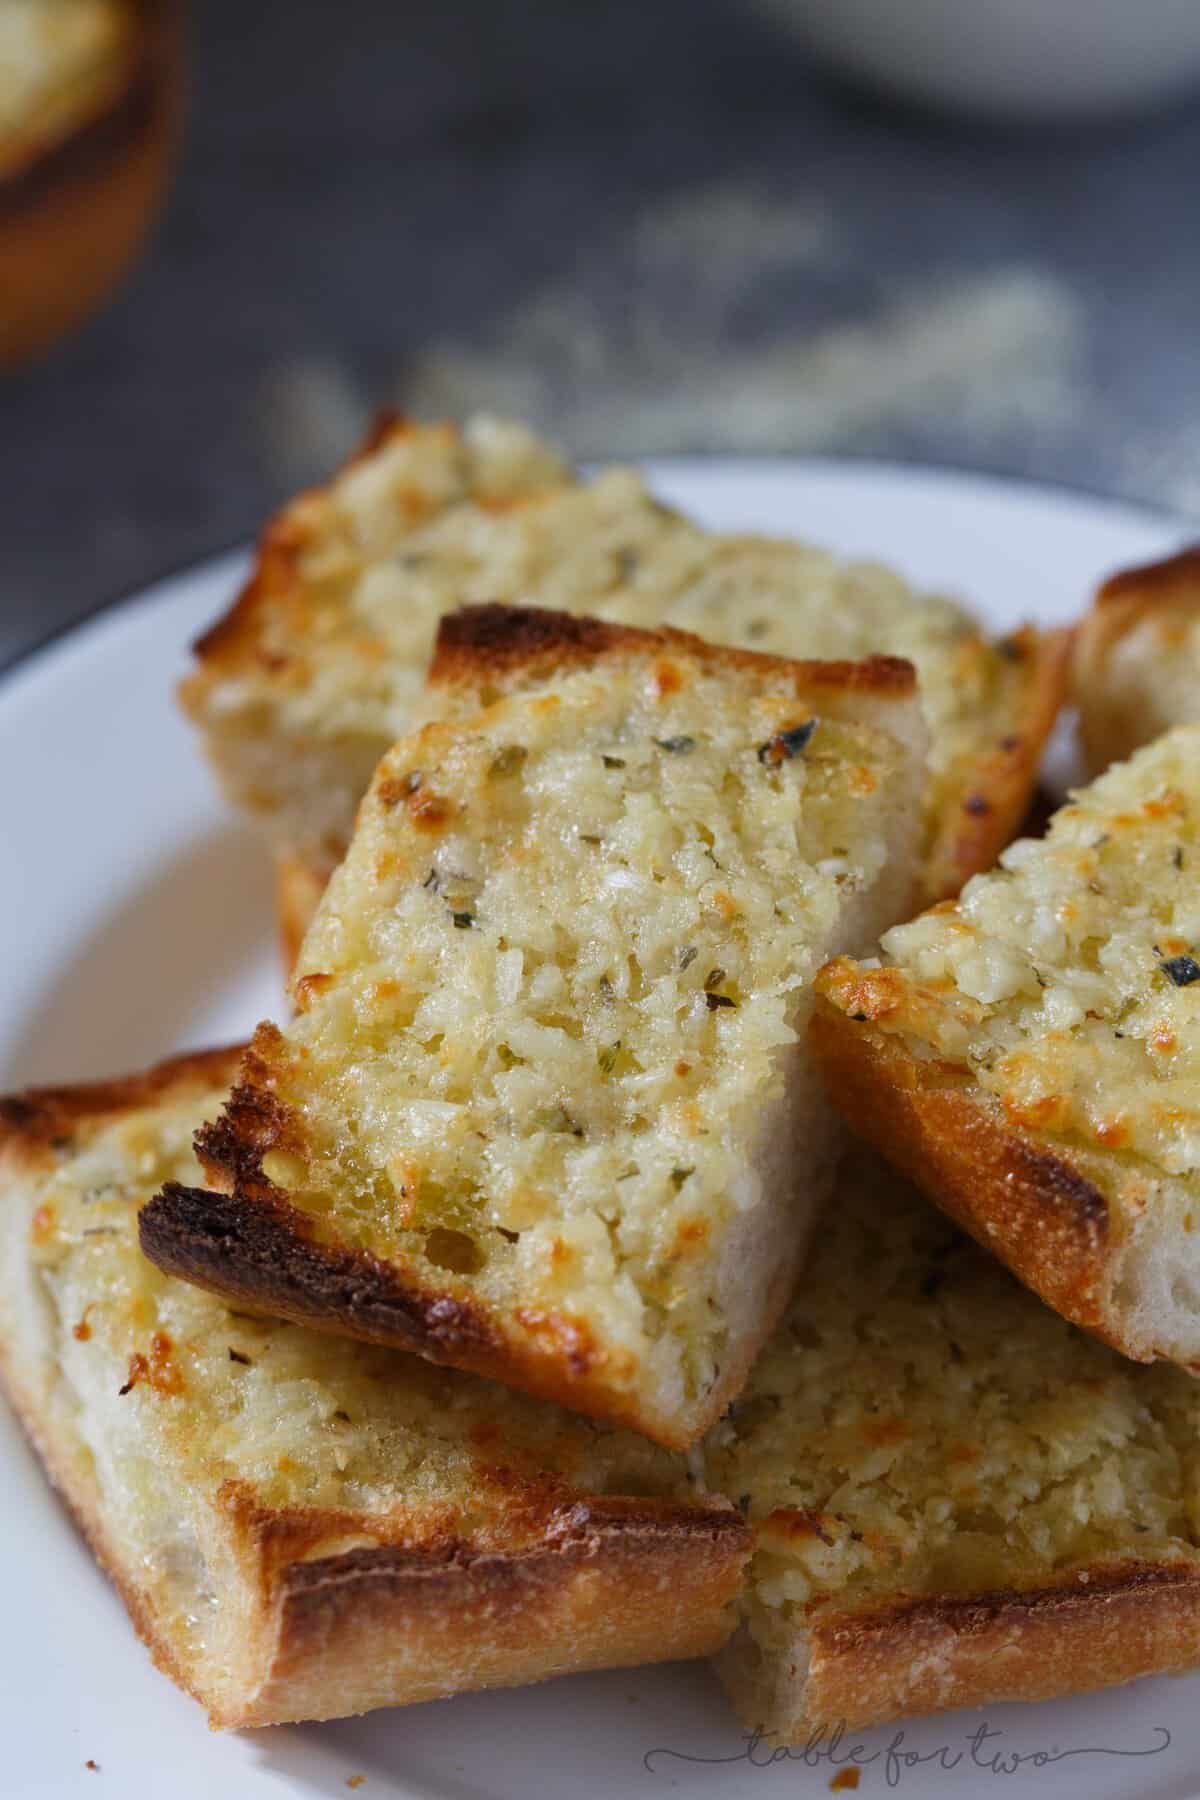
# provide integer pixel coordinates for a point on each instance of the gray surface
(653, 226)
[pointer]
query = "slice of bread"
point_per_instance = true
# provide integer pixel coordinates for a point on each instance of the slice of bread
(959, 1498)
(1136, 666)
(318, 667)
(302, 1528)
(1030, 1055)
(546, 1109)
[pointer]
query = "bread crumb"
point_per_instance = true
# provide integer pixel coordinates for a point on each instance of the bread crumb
(355, 1781)
(93, 1765)
(845, 1778)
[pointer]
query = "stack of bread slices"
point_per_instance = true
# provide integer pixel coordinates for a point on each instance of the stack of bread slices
(521, 1303)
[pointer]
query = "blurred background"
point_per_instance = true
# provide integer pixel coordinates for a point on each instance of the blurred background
(647, 227)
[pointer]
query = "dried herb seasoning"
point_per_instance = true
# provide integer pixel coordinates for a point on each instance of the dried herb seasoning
(786, 744)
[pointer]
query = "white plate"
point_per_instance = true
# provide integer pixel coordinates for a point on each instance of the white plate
(136, 919)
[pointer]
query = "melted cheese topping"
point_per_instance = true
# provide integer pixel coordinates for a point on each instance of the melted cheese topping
(1068, 980)
(546, 1002)
(193, 1395)
(432, 521)
(921, 1425)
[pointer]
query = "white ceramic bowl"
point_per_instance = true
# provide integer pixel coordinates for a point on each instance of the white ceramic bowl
(1009, 59)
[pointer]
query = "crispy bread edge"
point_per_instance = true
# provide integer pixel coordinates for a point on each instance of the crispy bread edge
(34, 1118)
(1093, 1628)
(611, 1582)
(232, 638)
(252, 1246)
(249, 1241)
(1033, 1208)
(1122, 603)
(605, 1581)
(32, 1124)
(997, 783)
(497, 641)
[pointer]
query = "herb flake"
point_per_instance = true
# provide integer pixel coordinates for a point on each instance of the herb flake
(1182, 970)
(785, 744)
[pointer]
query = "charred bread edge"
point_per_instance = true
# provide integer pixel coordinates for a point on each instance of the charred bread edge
(1037, 1210)
(477, 641)
(997, 783)
(253, 1246)
(311, 1605)
(250, 1241)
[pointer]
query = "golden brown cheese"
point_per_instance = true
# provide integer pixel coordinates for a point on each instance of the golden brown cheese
(1047, 1026)
(952, 1487)
(303, 686)
(239, 1474)
(548, 1061)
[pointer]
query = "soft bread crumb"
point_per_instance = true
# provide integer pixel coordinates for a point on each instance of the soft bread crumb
(1066, 985)
(253, 1455)
(301, 689)
(548, 1057)
(922, 1429)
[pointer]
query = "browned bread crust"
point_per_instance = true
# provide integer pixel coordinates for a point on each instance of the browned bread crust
(45, 1116)
(347, 1610)
(529, 644)
(248, 1239)
(1091, 1630)
(1039, 1212)
(300, 764)
(959, 1498)
(1158, 605)
(233, 641)
(997, 784)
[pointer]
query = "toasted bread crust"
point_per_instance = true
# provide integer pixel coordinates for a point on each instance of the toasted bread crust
(36, 1117)
(997, 784)
(452, 1617)
(478, 641)
(281, 1260)
(412, 1610)
(254, 1247)
(1040, 1213)
(1172, 578)
(478, 644)
(232, 641)
(1117, 718)
(614, 1583)
(1096, 1628)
